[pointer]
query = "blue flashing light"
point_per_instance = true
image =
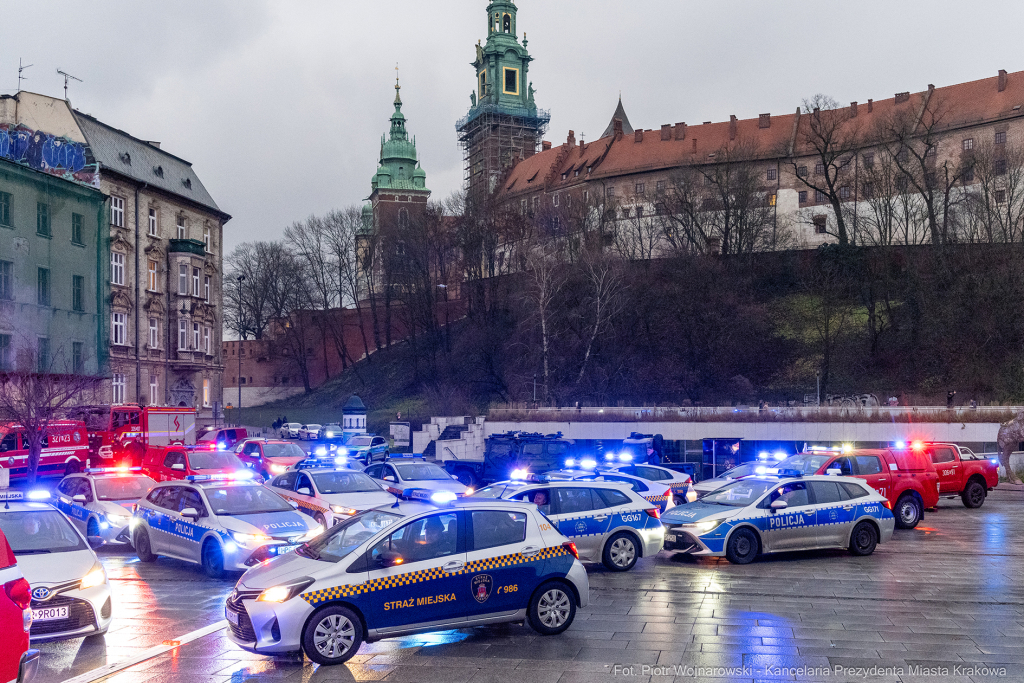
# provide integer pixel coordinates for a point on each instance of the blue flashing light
(520, 474)
(243, 474)
(230, 547)
(38, 494)
(104, 525)
(570, 463)
(341, 461)
(588, 463)
(321, 451)
(760, 470)
(901, 445)
(788, 472)
(609, 456)
(342, 451)
(994, 461)
(111, 470)
(442, 497)
(781, 455)
(625, 457)
(763, 456)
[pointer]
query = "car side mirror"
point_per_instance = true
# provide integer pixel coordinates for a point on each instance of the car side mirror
(389, 478)
(178, 467)
(191, 513)
(389, 559)
(95, 541)
(294, 504)
(80, 498)
(779, 505)
(304, 492)
(834, 472)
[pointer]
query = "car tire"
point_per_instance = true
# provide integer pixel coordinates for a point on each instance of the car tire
(143, 548)
(974, 495)
(328, 631)
(742, 547)
(465, 476)
(213, 560)
(320, 519)
(863, 539)
(621, 552)
(552, 608)
(908, 511)
(92, 528)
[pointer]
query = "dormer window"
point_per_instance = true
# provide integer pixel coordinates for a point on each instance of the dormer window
(187, 182)
(158, 171)
(126, 158)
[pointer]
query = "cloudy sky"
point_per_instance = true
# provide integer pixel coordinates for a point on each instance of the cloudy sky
(280, 104)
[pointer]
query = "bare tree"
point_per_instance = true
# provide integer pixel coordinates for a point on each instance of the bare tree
(605, 286)
(546, 278)
(251, 305)
(994, 209)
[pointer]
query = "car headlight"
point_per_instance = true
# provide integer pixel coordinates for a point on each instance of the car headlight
(342, 510)
(342, 451)
(119, 517)
(278, 469)
(286, 592)
(313, 533)
(249, 539)
(704, 527)
(95, 577)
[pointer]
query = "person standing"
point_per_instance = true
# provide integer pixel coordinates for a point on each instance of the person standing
(949, 400)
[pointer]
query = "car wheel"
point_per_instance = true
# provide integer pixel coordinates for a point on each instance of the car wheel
(213, 560)
(552, 609)
(908, 511)
(92, 528)
(742, 547)
(143, 548)
(465, 476)
(332, 636)
(319, 519)
(974, 495)
(620, 552)
(863, 539)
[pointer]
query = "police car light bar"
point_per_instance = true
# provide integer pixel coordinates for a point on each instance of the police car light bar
(442, 497)
(588, 463)
(625, 457)
(112, 470)
(570, 463)
(520, 474)
(240, 475)
(38, 495)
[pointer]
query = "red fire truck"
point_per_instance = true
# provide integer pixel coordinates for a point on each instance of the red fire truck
(121, 434)
(65, 449)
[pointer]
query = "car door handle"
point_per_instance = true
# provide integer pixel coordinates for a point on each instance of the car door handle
(454, 566)
(601, 518)
(530, 551)
(809, 513)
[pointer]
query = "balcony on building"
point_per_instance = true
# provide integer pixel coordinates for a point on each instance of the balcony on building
(194, 247)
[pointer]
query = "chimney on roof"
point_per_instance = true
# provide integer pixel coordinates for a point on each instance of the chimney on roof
(666, 131)
(151, 143)
(1002, 80)
(853, 110)
(764, 121)
(902, 97)
(871, 106)
(618, 129)
(680, 131)
(638, 135)
(732, 126)
(571, 139)
(545, 146)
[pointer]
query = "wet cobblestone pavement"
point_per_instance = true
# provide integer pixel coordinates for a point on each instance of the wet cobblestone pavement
(941, 603)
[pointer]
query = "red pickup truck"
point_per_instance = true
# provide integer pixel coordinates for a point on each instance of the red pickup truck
(906, 477)
(962, 472)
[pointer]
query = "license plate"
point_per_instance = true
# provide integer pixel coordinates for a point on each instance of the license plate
(282, 549)
(231, 616)
(50, 613)
(670, 537)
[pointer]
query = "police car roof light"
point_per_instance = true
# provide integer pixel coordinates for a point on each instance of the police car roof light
(38, 495)
(901, 445)
(786, 472)
(442, 497)
(520, 474)
(588, 463)
(570, 463)
(111, 470)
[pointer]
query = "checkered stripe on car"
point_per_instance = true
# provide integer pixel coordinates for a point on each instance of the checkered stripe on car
(337, 592)
(656, 499)
(306, 504)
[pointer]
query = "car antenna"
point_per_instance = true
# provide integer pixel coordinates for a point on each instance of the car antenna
(396, 503)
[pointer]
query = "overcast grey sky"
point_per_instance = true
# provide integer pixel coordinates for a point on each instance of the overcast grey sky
(280, 105)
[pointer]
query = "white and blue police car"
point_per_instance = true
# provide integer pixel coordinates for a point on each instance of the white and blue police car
(410, 568)
(99, 501)
(778, 512)
(659, 493)
(608, 521)
(69, 587)
(679, 482)
(416, 479)
(221, 523)
(329, 494)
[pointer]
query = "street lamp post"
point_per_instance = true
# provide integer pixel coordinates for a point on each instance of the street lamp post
(238, 412)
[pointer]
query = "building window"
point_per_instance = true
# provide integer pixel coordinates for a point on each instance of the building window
(206, 341)
(77, 357)
(43, 355)
(183, 280)
(819, 224)
(195, 282)
(43, 287)
(77, 293)
(819, 196)
(819, 169)
(117, 385)
(868, 190)
(1001, 137)
(182, 334)
(1000, 196)
(772, 199)
(206, 393)
(116, 268)
(968, 144)
(152, 222)
(773, 174)
(969, 174)
(640, 189)
(844, 192)
(152, 275)
(803, 196)
(554, 200)
(511, 81)
(206, 239)
(6, 281)
(43, 219)
(77, 227)
(901, 183)
(117, 212)
(182, 228)
(5, 352)
(869, 160)
(154, 390)
(118, 329)
(586, 196)
(611, 191)
(999, 166)
(660, 186)
(5, 209)
(403, 218)
(154, 333)
(195, 336)
(206, 288)
(801, 171)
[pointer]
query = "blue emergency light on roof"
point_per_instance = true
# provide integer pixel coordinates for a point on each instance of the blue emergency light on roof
(761, 470)
(240, 475)
(321, 451)
(625, 457)
(901, 445)
(520, 474)
(588, 463)
(38, 495)
(763, 455)
(442, 497)
(781, 455)
(609, 456)
(570, 463)
(112, 470)
(787, 472)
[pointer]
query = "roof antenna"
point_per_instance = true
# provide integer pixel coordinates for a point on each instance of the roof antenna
(67, 77)
(22, 67)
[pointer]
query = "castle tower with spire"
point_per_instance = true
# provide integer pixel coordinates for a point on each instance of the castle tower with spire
(503, 125)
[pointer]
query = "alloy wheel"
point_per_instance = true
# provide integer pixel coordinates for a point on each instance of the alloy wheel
(553, 608)
(334, 636)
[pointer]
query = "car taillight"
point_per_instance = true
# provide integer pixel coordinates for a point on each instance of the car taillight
(654, 512)
(888, 504)
(19, 592)
(571, 547)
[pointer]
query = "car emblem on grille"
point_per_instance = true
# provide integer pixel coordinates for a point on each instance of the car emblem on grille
(40, 593)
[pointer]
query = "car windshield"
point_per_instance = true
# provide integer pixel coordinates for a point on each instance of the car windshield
(35, 532)
(493, 491)
(343, 538)
(422, 472)
(123, 488)
(282, 450)
(214, 460)
(211, 436)
(737, 472)
(245, 500)
(345, 482)
(360, 441)
(739, 493)
(807, 463)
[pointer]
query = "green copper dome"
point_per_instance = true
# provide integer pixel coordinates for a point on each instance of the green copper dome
(399, 164)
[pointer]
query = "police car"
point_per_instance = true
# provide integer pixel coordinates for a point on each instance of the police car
(678, 482)
(70, 590)
(220, 523)
(415, 479)
(658, 493)
(787, 511)
(329, 495)
(608, 521)
(365, 448)
(410, 568)
(706, 486)
(99, 502)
